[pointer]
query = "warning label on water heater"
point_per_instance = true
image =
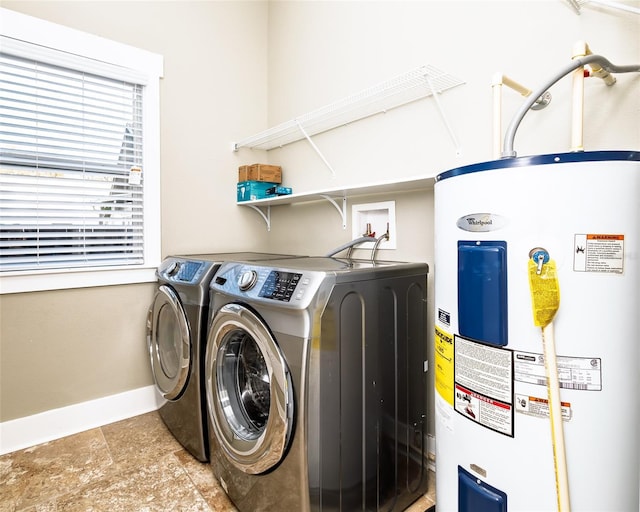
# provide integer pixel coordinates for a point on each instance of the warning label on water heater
(443, 342)
(539, 407)
(598, 253)
(483, 384)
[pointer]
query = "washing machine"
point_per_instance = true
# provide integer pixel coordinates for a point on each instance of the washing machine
(316, 384)
(176, 333)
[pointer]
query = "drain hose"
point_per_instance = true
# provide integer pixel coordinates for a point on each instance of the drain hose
(349, 245)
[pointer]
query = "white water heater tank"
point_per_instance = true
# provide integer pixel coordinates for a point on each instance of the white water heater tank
(494, 448)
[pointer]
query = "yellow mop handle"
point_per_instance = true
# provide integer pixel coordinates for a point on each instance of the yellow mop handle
(545, 298)
(555, 416)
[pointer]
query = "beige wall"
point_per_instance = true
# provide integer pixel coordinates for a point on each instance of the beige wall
(232, 66)
(65, 347)
(61, 348)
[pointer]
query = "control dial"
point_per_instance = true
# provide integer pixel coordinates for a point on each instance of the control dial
(247, 280)
(173, 268)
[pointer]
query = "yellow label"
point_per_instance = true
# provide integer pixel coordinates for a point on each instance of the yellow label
(443, 342)
(545, 292)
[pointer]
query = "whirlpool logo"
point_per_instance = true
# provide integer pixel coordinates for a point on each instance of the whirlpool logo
(479, 222)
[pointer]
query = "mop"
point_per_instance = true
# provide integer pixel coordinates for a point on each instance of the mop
(545, 297)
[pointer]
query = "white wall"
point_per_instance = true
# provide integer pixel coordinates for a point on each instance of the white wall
(320, 52)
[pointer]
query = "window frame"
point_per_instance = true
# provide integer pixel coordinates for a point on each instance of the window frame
(57, 44)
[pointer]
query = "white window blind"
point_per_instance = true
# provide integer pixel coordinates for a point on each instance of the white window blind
(71, 186)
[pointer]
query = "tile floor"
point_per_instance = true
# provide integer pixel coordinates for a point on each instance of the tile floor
(133, 465)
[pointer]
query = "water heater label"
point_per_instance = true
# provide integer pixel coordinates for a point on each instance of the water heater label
(484, 410)
(444, 317)
(443, 342)
(598, 253)
(483, 378)
(580, 373)
(539, 407)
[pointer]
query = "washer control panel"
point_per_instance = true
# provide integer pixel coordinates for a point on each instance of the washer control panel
(287, 286)
(280, 285)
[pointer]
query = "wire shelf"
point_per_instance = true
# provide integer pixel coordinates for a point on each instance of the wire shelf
(400, 90)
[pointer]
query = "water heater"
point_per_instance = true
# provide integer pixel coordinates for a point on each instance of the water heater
(494, 442)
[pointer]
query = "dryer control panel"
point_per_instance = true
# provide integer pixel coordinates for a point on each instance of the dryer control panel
(183, 271)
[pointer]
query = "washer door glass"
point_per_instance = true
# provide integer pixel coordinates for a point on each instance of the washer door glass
(248, 389)
(168, 338)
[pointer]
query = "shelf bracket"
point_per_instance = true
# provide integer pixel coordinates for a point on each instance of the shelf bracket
(266, 218)
(435, 93)
(341, 210)
(316, 149)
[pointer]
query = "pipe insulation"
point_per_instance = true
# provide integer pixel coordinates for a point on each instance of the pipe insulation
(497, 82)
(510, 134)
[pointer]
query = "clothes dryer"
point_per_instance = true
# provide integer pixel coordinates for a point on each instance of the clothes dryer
(176, 333)
(316, 379)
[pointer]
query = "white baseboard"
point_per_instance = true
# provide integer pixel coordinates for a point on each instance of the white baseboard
(431, 450)
(56, 423)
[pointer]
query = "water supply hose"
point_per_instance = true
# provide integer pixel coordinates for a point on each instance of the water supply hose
(375, 246)
(608, 67)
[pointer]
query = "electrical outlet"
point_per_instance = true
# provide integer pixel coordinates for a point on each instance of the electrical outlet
(373, 219)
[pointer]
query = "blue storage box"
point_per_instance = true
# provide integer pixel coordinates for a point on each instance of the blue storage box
(252, 190)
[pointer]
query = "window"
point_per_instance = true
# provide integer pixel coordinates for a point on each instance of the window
(71, 165)
(79, 162)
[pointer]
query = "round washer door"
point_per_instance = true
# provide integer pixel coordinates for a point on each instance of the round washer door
(169, 341)
(249, 393)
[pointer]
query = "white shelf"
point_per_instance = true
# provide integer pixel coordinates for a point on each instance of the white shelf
(408, 87)
(403, 89)
(399, 185)
(338, 196)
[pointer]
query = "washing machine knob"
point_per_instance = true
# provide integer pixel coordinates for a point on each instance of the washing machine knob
(247, 280)
(173, 268)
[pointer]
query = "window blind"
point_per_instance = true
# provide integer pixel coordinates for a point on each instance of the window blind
(71, 181)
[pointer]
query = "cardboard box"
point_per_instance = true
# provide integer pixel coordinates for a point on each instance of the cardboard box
(260, 172)
(252, 190)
